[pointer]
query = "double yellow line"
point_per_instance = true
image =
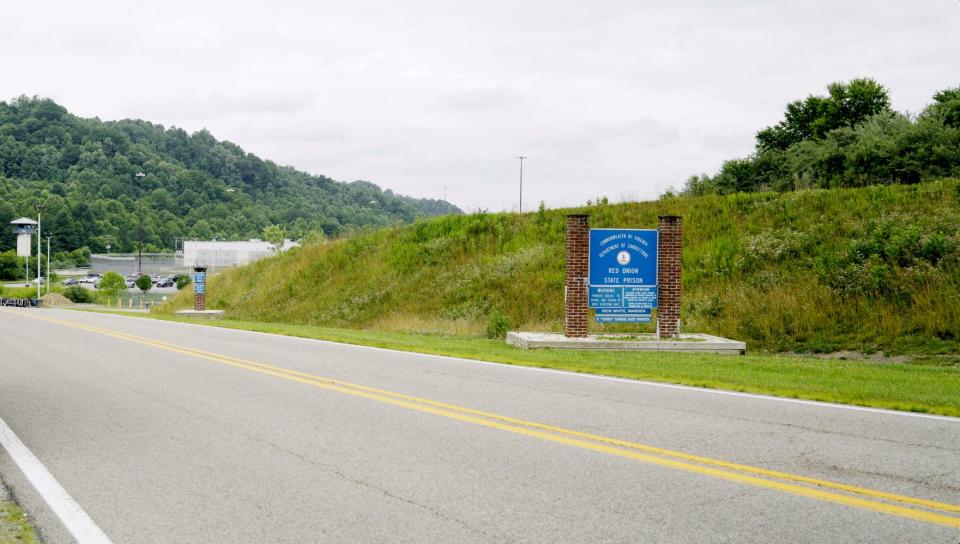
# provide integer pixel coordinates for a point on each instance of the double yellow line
(869, 499)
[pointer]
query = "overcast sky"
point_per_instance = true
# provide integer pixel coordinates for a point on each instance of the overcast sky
(606, 97)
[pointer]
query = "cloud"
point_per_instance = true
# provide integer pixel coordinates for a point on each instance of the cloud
(607, 97)
(212, 105)
(480, 100)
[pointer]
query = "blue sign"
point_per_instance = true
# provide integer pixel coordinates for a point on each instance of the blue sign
(622, 297)
(623, 257)
(623, 274)
(199, 282)
(623, 315)
(606, 297)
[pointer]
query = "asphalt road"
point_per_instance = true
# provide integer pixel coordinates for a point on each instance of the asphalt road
(165, 432)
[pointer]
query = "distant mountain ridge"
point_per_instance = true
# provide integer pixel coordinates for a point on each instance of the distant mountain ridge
(85, 172)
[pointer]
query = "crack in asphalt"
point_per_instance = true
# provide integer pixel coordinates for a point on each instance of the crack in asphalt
(344, 476)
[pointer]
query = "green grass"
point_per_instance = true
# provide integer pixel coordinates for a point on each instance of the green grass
(932, 385)
(14, 526)
(868, 269)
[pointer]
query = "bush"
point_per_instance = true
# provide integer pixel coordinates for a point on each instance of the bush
(112, 284)
(497, 325)
(78, 294)
(182, 280)
(144, 283)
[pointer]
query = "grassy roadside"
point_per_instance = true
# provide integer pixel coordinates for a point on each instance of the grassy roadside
(14, 527)
(932, 386)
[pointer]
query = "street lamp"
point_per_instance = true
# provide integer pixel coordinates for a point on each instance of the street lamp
(521, 157)
(39, 207)
(140, 176)
(48, 264)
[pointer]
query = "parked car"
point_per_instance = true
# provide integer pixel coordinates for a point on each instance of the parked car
(70, 281)
(166, 282)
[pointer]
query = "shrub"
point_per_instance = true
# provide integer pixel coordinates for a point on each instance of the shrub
(112, 284)
(144, 283)
(497, 325)
(182, 280)
(78, 294)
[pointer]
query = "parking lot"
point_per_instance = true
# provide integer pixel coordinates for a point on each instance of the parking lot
(161, 284)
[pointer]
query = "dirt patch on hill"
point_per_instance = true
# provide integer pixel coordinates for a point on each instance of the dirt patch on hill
(55, 299)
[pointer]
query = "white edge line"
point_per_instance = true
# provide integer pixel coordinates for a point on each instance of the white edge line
(815, 403)
(78, 523)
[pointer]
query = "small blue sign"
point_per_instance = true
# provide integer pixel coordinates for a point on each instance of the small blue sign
(640, 297)
(199, 282)
(605, 297)
(623, 315)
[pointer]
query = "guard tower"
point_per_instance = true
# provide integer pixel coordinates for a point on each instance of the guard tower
(24, 229)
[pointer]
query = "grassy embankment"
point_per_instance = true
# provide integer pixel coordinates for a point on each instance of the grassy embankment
(869, 269)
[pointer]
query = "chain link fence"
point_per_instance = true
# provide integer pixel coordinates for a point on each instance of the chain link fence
(126, 263)
(138, 300)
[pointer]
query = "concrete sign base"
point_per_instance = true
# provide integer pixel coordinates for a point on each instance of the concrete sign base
(201, 314)
(686, 342)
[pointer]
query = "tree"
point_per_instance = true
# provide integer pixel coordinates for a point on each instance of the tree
(112, 284)
(846, 105)
(11, 266)
(275, 235)
(194, 186)
(947, 106)
(144, 283)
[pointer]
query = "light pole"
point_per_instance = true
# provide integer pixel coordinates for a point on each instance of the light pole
(140, 224)
(39, 208)
(48, 264)
(521, 157)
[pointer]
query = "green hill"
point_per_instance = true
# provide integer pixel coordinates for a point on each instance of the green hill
(874, 268)
(194, 185)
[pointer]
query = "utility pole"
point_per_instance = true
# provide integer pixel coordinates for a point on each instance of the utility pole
(140, 223)
(48, 264)
(521, 157)
(39, 208)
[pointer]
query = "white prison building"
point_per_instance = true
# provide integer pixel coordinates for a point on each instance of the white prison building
(217, 254)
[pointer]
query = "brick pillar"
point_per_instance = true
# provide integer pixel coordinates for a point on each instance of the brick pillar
(199, 290)
(669, 277)
(575, 302)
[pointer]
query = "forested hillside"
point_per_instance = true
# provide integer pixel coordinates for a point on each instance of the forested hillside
(875, 268)
(84, 170)
(849, 138)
